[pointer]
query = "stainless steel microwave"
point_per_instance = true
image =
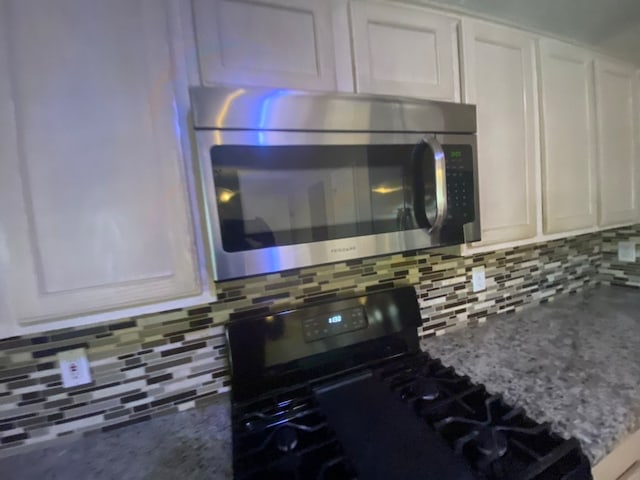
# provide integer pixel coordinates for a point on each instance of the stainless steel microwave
(291, 178)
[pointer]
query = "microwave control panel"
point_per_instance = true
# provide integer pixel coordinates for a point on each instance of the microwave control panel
(333, 323)
(460, 184)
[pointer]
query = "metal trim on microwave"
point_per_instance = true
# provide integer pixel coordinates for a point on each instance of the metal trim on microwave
(223, 107)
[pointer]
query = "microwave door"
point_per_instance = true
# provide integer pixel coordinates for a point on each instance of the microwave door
(274, 196)
(387, 196)
(429, 184)
(334, 206)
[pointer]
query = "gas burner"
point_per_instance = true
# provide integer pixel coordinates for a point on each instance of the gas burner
(424, 382)
(490, 442)
(485, 433)
(286, 438)
(426, 389)
(276, 414)
(504, 444)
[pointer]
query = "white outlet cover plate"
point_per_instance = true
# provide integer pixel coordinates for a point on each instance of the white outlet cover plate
(627, 251)
(478, 279)
(74, 367)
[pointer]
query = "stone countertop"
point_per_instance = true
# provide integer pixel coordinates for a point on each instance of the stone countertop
(574, 362)
(191, 445)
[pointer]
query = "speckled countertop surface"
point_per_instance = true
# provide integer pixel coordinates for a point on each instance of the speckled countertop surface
(574, 362)
(190, 445)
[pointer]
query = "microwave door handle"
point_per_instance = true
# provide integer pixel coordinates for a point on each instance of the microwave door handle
(439, 164)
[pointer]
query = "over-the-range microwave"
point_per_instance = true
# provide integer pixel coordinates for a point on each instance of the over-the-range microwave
(293, 178)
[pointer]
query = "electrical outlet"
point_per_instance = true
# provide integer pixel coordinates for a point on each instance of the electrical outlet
(478, 279)
(74, 367)
(626, 251)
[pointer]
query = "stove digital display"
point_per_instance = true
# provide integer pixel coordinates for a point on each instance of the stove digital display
(337, 323)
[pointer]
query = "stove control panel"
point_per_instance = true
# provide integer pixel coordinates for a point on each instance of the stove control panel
(334, 323)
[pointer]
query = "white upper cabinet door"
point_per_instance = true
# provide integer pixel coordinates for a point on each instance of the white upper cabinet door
(277, 43)
(407, 51)
(617, 155)
(94, 211)
(499, 77)
(569, 169)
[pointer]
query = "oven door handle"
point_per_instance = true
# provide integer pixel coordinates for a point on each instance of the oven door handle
(429, 143)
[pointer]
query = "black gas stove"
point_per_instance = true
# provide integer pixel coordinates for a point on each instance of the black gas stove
(342, 391)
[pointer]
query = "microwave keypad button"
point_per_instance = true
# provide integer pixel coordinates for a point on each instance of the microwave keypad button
(460, 189)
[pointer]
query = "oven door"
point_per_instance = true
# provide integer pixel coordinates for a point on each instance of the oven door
(283, 200)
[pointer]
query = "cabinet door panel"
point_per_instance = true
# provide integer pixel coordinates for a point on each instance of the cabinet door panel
(569, 135)
(506, 128)
(98, 212)
(404, 51)
(616, 143)
(283, 43)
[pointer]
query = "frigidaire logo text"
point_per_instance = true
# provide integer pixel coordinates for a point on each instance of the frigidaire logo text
(352, 248)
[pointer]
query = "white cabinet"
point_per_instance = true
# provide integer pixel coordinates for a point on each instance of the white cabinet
(402, 50)
(499, 77)
(279, 43)
(636, 107)
(633, 473)
(617, 162)
(623, 463)
(94, 211)
(569, 189)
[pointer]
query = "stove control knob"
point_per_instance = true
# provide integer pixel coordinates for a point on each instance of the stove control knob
(286, 438)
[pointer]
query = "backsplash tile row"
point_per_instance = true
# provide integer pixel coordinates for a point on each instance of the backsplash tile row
(150, 365)
(613, 271)
(515, 279)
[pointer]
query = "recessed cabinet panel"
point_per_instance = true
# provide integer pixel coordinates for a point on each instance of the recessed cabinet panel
(506, 128)
(569, 137)
(96, 213)
(282, 43)
(400, 50)
(402, 66)
(618, 162)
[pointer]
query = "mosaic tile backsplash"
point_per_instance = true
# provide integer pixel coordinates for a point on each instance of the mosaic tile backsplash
(612, 271)
(150, 365)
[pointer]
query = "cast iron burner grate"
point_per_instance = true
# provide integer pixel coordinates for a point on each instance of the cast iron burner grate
(285, 436)
(499, 441)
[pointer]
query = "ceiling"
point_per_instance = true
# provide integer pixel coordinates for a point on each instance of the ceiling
(610, 25)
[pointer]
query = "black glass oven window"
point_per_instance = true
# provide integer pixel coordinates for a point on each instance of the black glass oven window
(282, 195)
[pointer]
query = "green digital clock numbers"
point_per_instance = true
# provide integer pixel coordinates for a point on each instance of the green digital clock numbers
(456, 154)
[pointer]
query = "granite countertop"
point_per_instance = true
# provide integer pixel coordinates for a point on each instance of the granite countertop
(191, 445)
(574, 362)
